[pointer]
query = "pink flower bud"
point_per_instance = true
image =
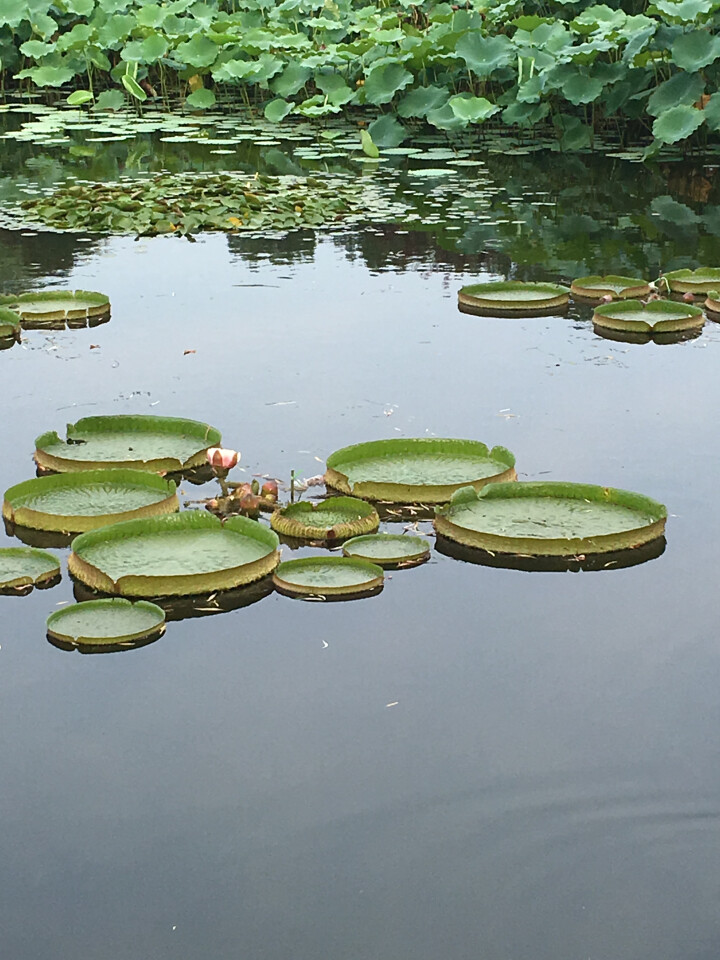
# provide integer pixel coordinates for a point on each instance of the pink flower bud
(607, 298)
(269, 490)
(222, 459)
(688, 297)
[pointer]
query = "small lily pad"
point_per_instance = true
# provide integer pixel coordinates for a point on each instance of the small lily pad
(9, 324)
(416, 470)
(175, 555)
(108, 621)
(388, 549)
(334, 519)
(656, 317)
(701, 280)
(328, 576)
(66, 306)
(617, 287)
(76, 502)
(26, 567)
(550, 519)
(513, 298)
(155, 444)
(712, 302)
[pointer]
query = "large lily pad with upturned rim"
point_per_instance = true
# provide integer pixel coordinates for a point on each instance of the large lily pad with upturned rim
(9, 324)
(109, 621)
(513, 298)
(26, 567)
(143, 442)
(76, 502)
(175, 555)
(712, 302)
(334, 519)
(416, 470)
(49, 306)
(328, 576)
(550, 518)
(658, 316)
(620, 288)
(388, 549)
(700, 280)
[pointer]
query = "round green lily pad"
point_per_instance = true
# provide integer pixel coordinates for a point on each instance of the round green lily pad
(75, 502)
(328, 576)
(9, 324)
(416, 470)
(658, 316)
(334, 519)
(175, 555)
(388, 549)
(712, 302)
(701, 280)
(550, 519)
(513, 298)
(109, 621)
(51, 306)
(26, 567)
(155, 444)
(619, 288)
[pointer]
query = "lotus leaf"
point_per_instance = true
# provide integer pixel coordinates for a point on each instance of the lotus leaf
(155, 444)
(334, 519)
(622, 288)
(328, 576)
(658, 316)
(9, 324)
(174, 555)
(75, 502)
(388, 549)
(39, 309)
(701, 280)
(712, 303)
(416, 470)
(550, 519)
(108, 621)
(513, 298)
(26, 566)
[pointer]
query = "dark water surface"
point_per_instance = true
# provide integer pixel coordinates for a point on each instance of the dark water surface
(547, 784)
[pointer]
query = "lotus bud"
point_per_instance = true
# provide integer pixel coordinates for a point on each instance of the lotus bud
(221, 459)
(250, 505)
(688, 297)
(269, 490)
(607, 298)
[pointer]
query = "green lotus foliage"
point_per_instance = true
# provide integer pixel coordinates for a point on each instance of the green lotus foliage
(328, 577)
(112, 620)
(581, 64)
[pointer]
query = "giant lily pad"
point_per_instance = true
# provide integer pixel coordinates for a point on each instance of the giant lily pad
(26, 567)
(656, 317)
(333, 519)
(74, 308)
(416, 470)
(513, 298)
(388, 549)
(619, 288)
(712, 303)
(701, 280)
(9, 324)
(550, 519)
(75, 502)
(155, 444)
(175, 555)
(110, 621)
(328, 576)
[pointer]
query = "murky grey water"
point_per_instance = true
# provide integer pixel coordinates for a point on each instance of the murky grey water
(546, 785)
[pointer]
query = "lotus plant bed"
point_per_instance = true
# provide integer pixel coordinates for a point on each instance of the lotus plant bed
(551, 519)
(416, 470)
(513, 298)
(388, 550)
(655, 317)
(175, 555)
(337, 518)
(154, 444)
(21, 568)
(107, 622)
(699, 281)
(328, 577)
(77, 308)
(76, 502)
(596, 288)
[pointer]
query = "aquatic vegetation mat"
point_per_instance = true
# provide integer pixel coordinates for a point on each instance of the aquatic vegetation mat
(550, 519)
(655, 317)
(596, 287)
(107, 621)
(25, 567)
(388, 549)
(174, 555)
(328, 576)
(9, 324)
(67, 306)
(416, 470)
(512, 298)
(76, 502)
(155, 444)
(701, 280)
(187, 203)
(332, 519)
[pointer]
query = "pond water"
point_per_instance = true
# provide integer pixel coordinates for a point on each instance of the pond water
(478, 762)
